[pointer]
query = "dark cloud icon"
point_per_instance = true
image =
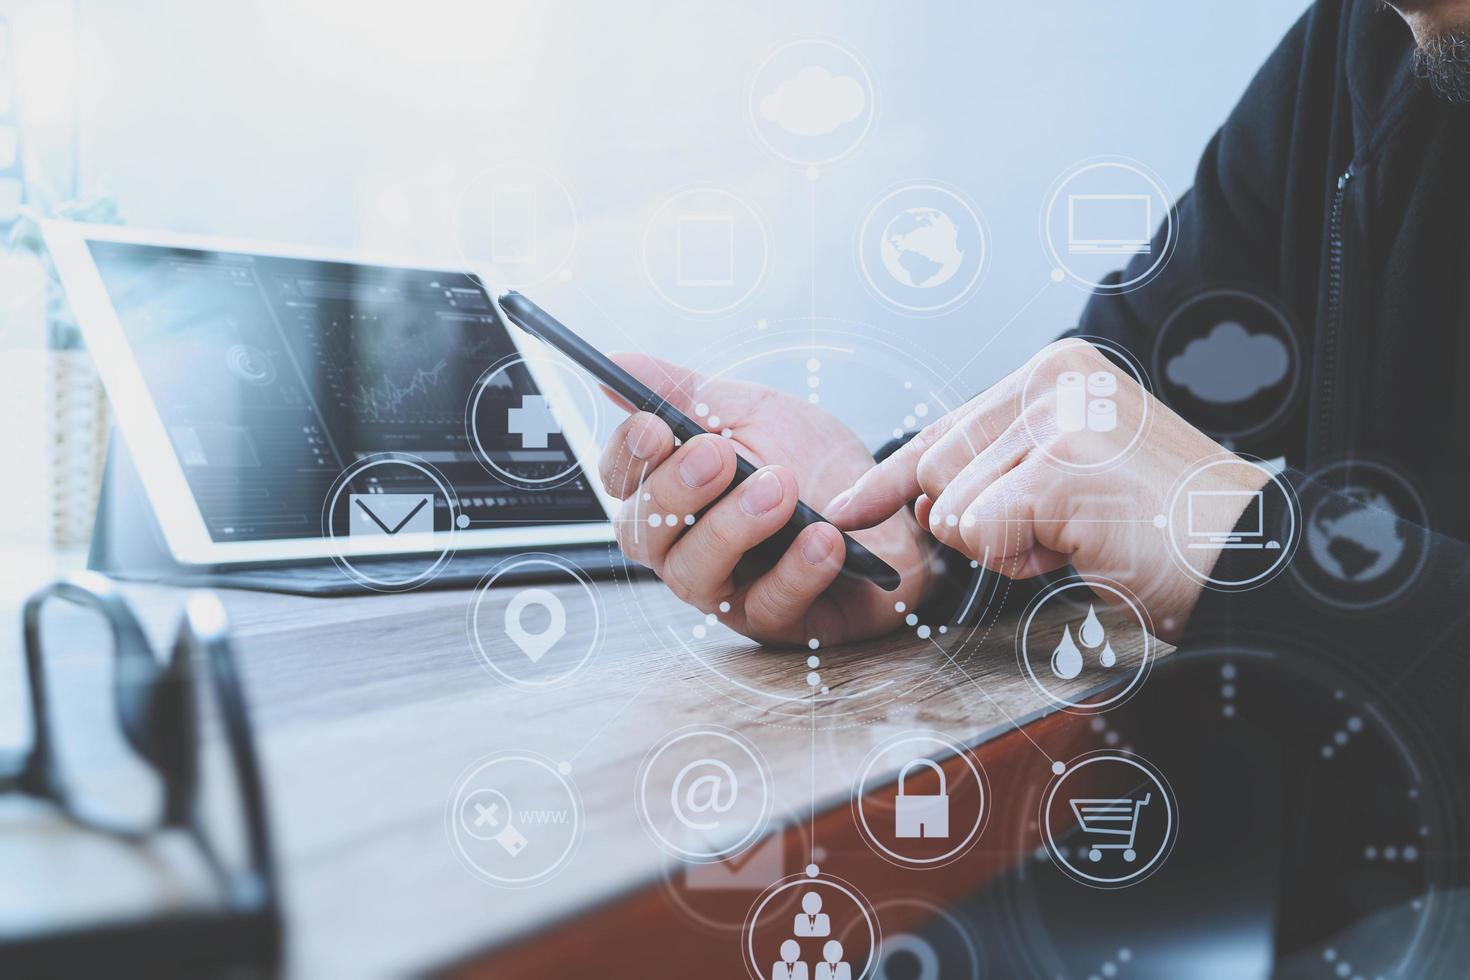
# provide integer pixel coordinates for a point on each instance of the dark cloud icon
(1229, 364)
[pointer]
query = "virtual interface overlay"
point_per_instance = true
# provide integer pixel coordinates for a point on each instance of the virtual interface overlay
(273, 375)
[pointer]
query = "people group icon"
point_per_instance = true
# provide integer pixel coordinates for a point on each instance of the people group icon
(811, 923)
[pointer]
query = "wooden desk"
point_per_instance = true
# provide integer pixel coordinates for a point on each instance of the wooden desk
(367, 710)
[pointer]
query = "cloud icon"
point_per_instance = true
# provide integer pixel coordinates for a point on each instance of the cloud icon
(1229, 364)
(815, 102)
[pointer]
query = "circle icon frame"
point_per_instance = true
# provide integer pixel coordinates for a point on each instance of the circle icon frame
(1293, 345)
(1133, 366)
(553, 270)
(356, 470)
(977, 276)
(808, 880)
(752, 110)
(1092, 583)
(1284, 553)
(757, 220)
(972, 835)
(1156, 186)
(1058, 854)
(459, 797)
(753, 834)
(1419, 521)
(508, 565)
(535, 368)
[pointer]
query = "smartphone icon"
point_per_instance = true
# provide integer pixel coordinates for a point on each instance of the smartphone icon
(513, 225)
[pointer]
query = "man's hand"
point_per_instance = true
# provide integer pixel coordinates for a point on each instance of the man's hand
(998, 480)
(802, 452)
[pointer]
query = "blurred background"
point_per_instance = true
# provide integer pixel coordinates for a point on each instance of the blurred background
(352, 124)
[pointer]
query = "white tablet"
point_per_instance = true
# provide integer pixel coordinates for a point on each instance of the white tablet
(252, 383)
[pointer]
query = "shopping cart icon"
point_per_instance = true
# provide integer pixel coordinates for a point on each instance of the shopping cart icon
(1117, 820)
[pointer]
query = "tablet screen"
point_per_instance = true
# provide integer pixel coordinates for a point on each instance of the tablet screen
(273, 375)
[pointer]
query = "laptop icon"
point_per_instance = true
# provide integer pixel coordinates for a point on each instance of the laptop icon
(1249, 532)
(1109, 224)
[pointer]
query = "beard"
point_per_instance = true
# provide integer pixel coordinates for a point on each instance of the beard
(1443, 62)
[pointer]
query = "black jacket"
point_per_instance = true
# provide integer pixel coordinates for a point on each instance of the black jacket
(1339, 187)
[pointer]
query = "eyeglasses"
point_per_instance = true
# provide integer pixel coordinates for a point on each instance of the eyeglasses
(166, 710)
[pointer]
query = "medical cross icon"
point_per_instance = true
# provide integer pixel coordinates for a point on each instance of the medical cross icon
(533, 422)
(486, 814)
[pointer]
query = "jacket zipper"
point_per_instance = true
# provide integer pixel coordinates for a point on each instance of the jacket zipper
(1334, 315)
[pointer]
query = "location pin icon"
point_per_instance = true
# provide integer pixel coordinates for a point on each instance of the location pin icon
(535, 645)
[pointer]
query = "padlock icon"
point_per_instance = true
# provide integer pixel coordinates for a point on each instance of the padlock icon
(921, 816)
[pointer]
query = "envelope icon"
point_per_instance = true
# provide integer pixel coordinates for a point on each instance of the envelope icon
(390, 513)
(751, 870)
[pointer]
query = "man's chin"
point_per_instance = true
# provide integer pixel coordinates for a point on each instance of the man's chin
(1441, 44)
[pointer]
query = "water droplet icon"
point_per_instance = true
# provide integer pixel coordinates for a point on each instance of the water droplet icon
(1092, 633)
(1107, 658)
(1066, 659)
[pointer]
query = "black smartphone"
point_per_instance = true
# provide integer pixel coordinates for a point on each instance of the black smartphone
(538, 323)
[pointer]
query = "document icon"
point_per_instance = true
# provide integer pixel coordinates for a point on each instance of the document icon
(390, 513)
(705, 250)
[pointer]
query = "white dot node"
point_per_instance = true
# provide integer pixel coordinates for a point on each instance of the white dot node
(709, 619)
(950, 520)
(647, 496)
(944, 629)
(701, 409)
(1057, 275)
(908, 386)
(924, 632)
(812, 173)
(1125, 954)
(813, 679)
(761, 324)
(1228, 672)
(814, 398)
(688, 520)
(974, 563)
(654, 520)
(714, 421)
(921, 410)
(825, 689)
(1111, 738)
(1228, 711)
(812, 870)
(813, 662)
(898, 433)
(900, 606)
(671, 519)
(813, 381)
(1160, 521)
(727, 433)
(911, 619)
(565, 768)
(699, 632)
(1355, 724)
(812, 364)
(1110, 969)
(724, 607)
(909, 421)
(1058, 767)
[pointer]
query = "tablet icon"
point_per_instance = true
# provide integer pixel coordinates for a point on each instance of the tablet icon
(535, 645)
(390, 513)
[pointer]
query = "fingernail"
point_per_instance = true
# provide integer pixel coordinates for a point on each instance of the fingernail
(839, 503)
(700, 465)
(761, 494)
(641, 439)
(816, 548)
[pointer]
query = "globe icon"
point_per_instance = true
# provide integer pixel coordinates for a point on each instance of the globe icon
(920, 248)
(1355, 537)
